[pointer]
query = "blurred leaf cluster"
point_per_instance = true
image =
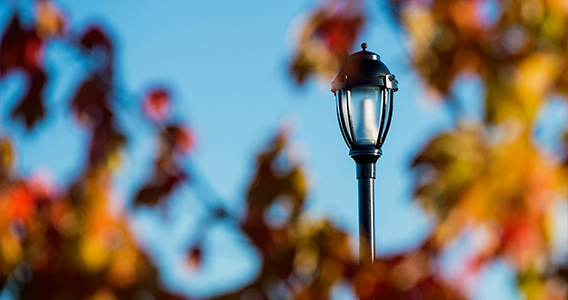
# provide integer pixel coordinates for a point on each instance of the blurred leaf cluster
(61, 240)
(490, 175)
(325, 39)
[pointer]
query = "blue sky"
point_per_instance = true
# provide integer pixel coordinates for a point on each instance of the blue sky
(226, 64)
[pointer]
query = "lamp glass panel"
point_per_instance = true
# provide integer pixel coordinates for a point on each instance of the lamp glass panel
(366, 113)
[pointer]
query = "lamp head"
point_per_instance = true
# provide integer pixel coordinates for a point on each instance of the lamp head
(364, 89)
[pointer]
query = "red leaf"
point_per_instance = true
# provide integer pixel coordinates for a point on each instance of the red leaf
(162, 183)
(175, 139)
(21, 202)
(339, 32)
(20, 48)
(31, 108)
(11, 47)
(157, 104)
(183, 138)
(90, 102)
(32, 51)
(95, 37)
(98, 42)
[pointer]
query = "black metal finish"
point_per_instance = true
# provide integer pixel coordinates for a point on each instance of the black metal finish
(341, 116)
(365, 179)
(365, 159)
(384, 135)
(365, 154)
(351, 128)
(361, 68)
(384, 98)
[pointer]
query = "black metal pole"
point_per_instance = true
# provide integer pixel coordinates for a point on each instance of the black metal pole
(366, 180)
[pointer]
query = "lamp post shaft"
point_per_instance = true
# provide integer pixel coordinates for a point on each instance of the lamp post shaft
(366, 181)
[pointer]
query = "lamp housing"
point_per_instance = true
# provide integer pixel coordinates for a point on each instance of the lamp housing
(364, 90)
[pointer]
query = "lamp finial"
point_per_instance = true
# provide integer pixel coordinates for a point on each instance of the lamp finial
(364, 46)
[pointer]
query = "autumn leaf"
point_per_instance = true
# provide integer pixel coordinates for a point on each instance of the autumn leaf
(50, 21)
(447, 166)
(95, 37)
(161, 184)
(12, 46)
(7, 158)
(21, 202)
(195, 257)
(31, 108)
(325, 39)
(100, 47)
(339, 32)
(90, 102)
(157, 104)
(176, 138)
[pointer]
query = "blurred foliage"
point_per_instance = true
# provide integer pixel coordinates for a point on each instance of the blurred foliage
(65, 243)
(325, 39)
(486, 176)
(490, 175)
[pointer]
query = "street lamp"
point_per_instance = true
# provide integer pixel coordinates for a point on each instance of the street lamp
(364, 90)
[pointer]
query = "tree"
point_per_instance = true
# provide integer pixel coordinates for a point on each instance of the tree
(491, 174)
(487, 176)
(67, 244)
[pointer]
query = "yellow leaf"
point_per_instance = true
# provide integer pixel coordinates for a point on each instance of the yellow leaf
(534, 81)
(6, 155)
(94, 254)
(11, 250)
